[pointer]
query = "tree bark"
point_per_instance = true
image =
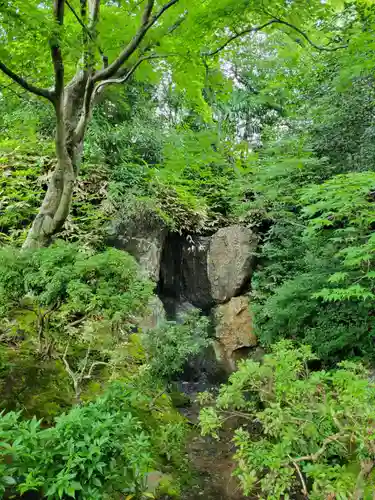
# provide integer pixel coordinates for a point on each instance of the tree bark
(56, 205)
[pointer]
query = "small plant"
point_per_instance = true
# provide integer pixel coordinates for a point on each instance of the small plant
(170, 345)
(316, 432)
(95, 451)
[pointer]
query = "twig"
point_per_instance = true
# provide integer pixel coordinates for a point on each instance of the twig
(304, 489)
(236, 414)
(158, 395)
(95, 363)
(314, 456)
(77, 321)
(85, 361)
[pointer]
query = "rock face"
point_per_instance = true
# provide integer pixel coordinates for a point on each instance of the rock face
(233, 330)
(144, 239)
(216, 268)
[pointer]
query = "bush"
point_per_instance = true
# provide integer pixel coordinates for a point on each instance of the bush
(95, 451)
(315, 281)
(315, 429)
(67, 303)
(170, 345)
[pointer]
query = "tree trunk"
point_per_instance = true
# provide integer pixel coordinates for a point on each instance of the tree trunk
(58, 198)
(55, 207)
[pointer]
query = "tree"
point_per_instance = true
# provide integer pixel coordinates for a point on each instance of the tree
(77, 83)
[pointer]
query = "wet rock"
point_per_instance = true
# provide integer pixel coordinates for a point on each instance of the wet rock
(218, 267)
(196, 283)
(233, 331)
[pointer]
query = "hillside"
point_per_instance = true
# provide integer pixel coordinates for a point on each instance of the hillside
(187, 229)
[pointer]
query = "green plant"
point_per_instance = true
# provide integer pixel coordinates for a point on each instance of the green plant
(169, 346)
(83, 305)
(104, 448)
(302, 430)
(345, 206)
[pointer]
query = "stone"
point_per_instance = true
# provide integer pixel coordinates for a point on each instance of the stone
(154, 316)
(216, 268)
(143, 238)
(196, 284)
(230, 261)
(233, 331)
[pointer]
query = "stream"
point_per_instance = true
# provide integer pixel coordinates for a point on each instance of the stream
(210, 459)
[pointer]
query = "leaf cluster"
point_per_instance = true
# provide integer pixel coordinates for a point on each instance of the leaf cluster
(99, 450)
(315, 429)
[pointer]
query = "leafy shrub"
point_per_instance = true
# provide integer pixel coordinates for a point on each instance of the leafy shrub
(343, 207)
(95, 451)
(67, 283)
(315, 429)
(315, 281)
(170, 345)
(81, 306)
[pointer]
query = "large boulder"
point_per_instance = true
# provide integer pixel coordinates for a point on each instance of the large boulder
(234, 336)
(143, 237)
(230, 261)
(218, 267)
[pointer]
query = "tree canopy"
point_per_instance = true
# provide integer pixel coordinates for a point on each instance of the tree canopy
(151, 126)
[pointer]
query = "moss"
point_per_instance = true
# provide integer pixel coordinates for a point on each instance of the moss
(35, 386)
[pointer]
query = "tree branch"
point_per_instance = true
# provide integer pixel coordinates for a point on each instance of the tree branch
(147, 12)
(303, 484)
(255, 29)
(314, 456)
(94, 8)
(89, 29)
(83, 369)
(247, 31)
(127, 75)
(94, 11)
(303, 34)
(47, 94)
(80, 129)
(146, 24)
(93, 365)
(57, 60)
(66, 363)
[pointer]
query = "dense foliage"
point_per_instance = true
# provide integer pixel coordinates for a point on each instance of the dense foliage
(170, 346)
(258, 113)
(101, 450)
(302, 430)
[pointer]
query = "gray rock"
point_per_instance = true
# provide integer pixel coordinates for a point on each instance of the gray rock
(143, 238)
(230, 261)
(216, 268)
